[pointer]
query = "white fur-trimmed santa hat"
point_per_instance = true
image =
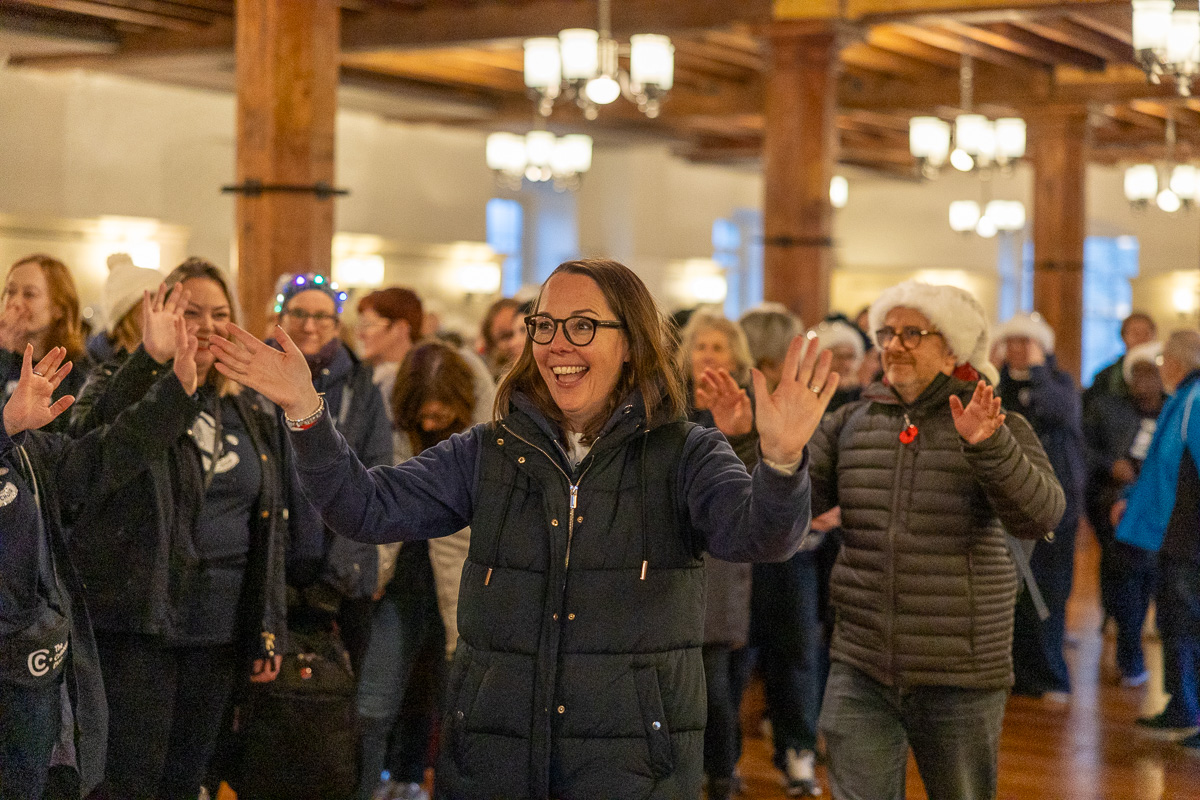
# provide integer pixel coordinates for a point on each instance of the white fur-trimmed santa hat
(834, 332)
(1030, 326)
(1148, 352)
(955, 313)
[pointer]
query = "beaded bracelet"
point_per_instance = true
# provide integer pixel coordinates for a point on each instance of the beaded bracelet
(307, 422)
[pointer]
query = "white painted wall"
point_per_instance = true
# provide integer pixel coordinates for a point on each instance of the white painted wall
(78, 146)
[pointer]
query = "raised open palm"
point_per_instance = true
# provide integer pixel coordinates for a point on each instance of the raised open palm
(726, 401)
(30, 405)
(981, 417)
(787, 417)
(160, 314)
(281, 377)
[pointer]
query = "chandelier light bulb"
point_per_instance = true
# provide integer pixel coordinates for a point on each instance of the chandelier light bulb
(572, 154)
(1010, 138)
(602, 90)
(580, 48)
(929, 139)
(1151, 24)
(964, 215)
(651, 61)
(1184, 182)
(971, 134)
(543, 67)
(986, 227)
(839, 191)
(539, 148)
(1141, 183)
(1183, 40)
(506, 153)
(1168, 201)
(961, 160)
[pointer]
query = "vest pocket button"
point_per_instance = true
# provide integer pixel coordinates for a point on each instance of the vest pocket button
(554, 522)
(562, 709)
(521, 460)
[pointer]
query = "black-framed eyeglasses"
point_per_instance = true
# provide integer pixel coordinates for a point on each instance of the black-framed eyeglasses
(300, 317)
(910, 336)
(579, 330)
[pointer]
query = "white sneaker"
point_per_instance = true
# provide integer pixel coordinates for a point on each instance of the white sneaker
(800, 773)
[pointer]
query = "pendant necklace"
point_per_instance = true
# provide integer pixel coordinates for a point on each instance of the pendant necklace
(910, 431)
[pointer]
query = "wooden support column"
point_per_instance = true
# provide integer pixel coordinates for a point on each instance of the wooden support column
(800, 151)
(1057, 143)
(287, 75)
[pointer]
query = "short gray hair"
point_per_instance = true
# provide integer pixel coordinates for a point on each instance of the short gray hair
(769, 329)
(705, 319)
(1184, 347)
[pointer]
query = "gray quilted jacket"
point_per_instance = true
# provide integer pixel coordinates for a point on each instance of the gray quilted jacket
(924, 586)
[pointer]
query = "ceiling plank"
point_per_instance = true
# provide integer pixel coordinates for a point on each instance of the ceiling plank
(94, 9)
(886, 37)
(964, 46)
(1067, 32)
(1052, 45)
(448, 24)
(1004, 36)
(865, 56)
(1113, 23)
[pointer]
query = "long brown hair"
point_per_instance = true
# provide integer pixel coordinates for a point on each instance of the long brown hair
(431, 371)
(649, 370)
(67, 330)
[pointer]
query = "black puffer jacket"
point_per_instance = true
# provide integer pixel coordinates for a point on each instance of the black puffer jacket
(66, 471)
(924, 586)
(134, 546)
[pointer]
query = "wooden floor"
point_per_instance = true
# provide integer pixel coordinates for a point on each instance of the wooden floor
(1085, 749)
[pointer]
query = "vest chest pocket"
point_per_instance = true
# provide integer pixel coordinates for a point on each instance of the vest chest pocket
(658, 733)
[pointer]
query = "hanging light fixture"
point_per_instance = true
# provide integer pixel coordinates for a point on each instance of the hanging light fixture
(1180, 183)
(977, 142)
(582, 64)
(1166, 41)
(839, 191)
(539, 156)
(996, 216)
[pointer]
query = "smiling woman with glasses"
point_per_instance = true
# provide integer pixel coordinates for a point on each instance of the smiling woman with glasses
(591, 501)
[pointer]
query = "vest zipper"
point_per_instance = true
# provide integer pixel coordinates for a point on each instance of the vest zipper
(574, 486)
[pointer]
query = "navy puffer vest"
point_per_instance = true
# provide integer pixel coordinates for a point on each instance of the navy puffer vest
(579, 673)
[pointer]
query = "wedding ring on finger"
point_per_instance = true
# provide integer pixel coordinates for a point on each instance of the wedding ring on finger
(813, 389)
(40, 375)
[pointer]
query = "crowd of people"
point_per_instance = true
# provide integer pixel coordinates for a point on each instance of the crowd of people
(320, 561)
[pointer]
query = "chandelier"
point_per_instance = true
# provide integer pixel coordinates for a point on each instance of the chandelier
(1180, 182)
(581, 64)
(539, 156)
(997, 215)
(1166, 41)
(974, 142)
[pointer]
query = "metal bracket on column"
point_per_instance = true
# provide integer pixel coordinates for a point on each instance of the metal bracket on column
(797, 241)
(252, 187)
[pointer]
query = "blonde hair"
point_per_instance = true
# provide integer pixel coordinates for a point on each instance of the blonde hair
(708, 319)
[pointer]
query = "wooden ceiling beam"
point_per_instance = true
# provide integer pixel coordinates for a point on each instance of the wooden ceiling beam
(1070, 33)
(920, 12)
(449, 24)
(1050, 50)
(874, 59)
(885, 37)
(90, 8)
(1115, 23)
(964, 46)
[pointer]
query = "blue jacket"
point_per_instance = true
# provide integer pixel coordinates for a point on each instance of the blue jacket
(1152, 499)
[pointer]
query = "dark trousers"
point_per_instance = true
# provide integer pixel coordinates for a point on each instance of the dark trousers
(720, 734)
(29, 725)
(1038, 662)
(1128, 578)
(1178, 617)
(165, 706)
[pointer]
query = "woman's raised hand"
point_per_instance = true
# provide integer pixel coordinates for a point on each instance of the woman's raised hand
(281, 377)
(160, 313)
(787, 417)
(729, 404)
(185, 356)
(29, 407)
